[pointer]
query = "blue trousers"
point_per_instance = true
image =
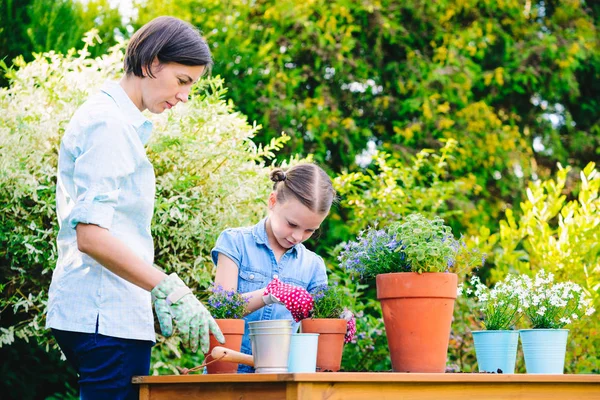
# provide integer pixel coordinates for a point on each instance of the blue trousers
(105, 364)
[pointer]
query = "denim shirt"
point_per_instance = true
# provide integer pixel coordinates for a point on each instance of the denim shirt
(249, 249)
(105, 179)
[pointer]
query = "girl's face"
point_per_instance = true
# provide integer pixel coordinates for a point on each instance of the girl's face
(171, 84)
(290, 223)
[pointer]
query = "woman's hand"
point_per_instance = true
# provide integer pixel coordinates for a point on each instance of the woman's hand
(173, 300)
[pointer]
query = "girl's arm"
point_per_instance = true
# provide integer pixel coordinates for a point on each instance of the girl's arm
(114, 255)
(227, 277)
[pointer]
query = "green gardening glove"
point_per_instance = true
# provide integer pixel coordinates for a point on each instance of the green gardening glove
(173, 300)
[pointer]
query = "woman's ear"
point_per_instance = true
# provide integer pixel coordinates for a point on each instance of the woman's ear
(156, 66)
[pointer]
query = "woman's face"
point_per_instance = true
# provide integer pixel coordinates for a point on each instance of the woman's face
(171, 84)
(290, 222)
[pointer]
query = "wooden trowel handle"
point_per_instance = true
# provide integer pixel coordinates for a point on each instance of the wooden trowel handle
(231, 356)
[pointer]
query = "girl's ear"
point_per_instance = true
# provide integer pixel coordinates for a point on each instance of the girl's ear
(272, 200)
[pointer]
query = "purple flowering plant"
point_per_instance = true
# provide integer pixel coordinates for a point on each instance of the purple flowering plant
(415, 244)
(226, 304)
(374, 252)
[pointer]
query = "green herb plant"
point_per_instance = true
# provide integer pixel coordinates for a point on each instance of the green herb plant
(329, 302)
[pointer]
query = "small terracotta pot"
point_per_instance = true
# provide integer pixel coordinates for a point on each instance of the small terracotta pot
(417, 313)
(233, 330)
(331, 341)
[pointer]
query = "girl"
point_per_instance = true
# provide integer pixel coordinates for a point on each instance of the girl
(268, 262)
(99, 305)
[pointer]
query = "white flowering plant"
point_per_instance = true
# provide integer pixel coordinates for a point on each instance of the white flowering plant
(549, 304)
(499, 306)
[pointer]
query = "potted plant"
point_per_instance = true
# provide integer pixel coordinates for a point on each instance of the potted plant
(549, 306)
(332, 321)
(495, 345)
(413, 261)
(227, 308)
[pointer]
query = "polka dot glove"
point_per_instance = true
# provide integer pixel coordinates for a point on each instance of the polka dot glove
(173, 300)
(294, 298)
(350, 326)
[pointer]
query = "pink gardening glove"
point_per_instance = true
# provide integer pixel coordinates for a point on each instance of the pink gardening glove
(350, 326)
(294, 298)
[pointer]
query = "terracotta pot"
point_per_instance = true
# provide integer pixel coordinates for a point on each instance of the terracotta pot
(331, 341)
(417, 313)
(233, 330)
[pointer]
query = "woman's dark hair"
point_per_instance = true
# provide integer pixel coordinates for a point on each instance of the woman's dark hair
(308, 183)
(167, 39)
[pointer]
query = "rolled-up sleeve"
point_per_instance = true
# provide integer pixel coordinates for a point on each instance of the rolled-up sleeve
(227, 245)
(105, 157)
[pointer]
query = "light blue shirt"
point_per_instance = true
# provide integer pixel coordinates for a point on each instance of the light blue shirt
(105, 179)
(250, 250)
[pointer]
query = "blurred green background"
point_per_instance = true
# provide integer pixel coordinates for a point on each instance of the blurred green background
(482, 112)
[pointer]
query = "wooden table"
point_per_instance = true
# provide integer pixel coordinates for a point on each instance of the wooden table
(368, 386)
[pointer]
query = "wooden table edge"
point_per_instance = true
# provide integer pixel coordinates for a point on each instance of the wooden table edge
(372, 377)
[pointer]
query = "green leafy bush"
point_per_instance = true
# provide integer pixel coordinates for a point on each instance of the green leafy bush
(29, 26)
(391, 188)
(210, 175)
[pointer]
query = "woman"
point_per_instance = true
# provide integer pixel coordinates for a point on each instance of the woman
(99, 304)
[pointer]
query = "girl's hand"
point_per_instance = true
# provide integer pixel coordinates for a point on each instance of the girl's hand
(294, 298)
(350, 326)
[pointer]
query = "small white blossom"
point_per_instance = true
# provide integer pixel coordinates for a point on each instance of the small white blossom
(541, 310)
(590, 311)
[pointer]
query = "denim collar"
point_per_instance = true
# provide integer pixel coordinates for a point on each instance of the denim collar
(132, 114)
(259, 231)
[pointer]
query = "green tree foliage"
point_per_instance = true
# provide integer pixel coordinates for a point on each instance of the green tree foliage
(28, 26)
(391, 188)
(492, 74)
(210, 176)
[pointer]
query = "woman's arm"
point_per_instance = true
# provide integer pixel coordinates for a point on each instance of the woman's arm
(114, 255)
(227, 277)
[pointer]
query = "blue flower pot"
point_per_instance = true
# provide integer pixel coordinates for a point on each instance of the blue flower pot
(544, 350)
(303, 352)
(496, 350)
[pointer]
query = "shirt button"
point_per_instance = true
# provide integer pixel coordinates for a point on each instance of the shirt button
(251, 276)
(275, 276)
